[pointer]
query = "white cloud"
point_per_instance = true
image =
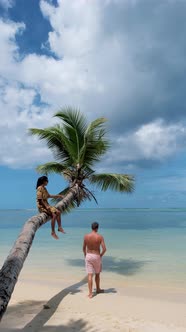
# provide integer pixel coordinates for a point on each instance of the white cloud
(9, 49)
(107, 66)
(154, 141)
(17, 148)
(73, 34)
(158, 140)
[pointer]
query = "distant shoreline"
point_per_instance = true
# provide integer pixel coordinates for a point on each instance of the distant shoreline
(102, 209)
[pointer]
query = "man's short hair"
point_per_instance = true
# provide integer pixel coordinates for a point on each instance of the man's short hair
(95, 226)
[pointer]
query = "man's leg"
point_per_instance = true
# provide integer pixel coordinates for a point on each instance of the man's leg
(90, 284)
(97, 281)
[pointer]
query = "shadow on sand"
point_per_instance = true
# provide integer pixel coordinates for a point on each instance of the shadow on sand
(26, 308)
(79, 325)
(36, 324)
(121, 266)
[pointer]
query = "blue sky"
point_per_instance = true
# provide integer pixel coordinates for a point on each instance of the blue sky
(121, 59)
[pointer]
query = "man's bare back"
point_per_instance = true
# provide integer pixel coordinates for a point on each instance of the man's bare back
(93, 243)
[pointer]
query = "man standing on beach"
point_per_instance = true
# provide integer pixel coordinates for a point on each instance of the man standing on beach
(94, 248)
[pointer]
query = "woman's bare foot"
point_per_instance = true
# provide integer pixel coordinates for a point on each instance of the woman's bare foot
(60, 229)
(90, 296)
(54, 235)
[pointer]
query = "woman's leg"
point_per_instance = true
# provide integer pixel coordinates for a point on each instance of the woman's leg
(58, 218)
(53, 221)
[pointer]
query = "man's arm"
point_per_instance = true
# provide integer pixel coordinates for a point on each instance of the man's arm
(103, 246)
(84, 246)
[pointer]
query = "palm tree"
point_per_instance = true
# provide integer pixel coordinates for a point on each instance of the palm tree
(77, 147)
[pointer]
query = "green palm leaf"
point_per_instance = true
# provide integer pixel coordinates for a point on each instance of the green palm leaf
(56, 141)
(117, 182)
(95, 144)
(51, 167)
(74, 125)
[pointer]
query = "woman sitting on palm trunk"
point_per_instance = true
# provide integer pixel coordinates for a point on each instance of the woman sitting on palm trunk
(43, 205)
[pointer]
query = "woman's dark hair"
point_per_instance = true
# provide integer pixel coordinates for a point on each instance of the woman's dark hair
(41, 180)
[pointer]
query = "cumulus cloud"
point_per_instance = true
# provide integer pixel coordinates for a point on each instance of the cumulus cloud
(129, 54)
(17, 148)
(124, 60)
(70, 36)
(9, 49)
(155, 142)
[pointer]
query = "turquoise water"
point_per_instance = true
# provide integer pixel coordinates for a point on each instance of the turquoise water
(143, 245)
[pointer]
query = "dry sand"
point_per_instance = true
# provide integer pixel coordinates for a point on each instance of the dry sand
(134, 308)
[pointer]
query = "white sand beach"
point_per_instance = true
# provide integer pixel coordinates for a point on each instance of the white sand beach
(130, 308)
(143, 277)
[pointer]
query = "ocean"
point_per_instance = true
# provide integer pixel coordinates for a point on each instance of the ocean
(144, 246)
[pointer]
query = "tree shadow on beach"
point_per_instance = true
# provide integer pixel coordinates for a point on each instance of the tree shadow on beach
(112, 264)
(26, 308)
(78, 325)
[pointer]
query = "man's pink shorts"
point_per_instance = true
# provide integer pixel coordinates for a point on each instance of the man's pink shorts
(93, 263)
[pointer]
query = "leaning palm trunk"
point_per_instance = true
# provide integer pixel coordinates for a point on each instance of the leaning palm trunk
(15, 260)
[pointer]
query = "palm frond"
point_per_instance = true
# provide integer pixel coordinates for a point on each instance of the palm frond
(87, 172)
(95, 126)
(95, 144)
(92, 152)
(51, 167)
(90, 195)
(83, 194)
(68, 208)
(117, 182)
(56, 141)
(74, 126)
(72, 118)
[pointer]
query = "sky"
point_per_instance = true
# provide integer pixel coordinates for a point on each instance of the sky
(124, 60)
